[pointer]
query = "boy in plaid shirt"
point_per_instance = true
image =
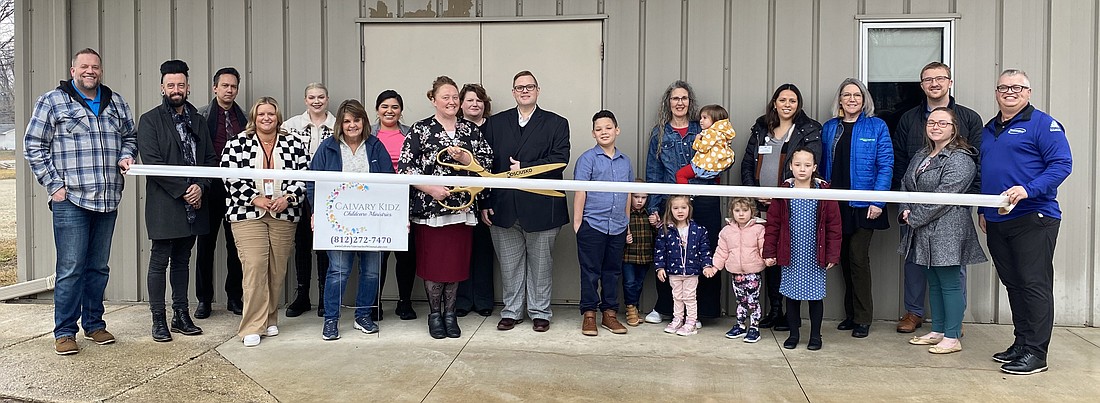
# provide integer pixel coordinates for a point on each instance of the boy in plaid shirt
(638, 255)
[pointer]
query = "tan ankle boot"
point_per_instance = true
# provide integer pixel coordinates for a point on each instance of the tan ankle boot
(588, 325)
(611, 322)
(632, 317)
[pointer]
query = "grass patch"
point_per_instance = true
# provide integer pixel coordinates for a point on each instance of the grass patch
(8, 262)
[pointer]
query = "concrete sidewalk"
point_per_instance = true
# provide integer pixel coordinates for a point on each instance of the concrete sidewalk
(402, 363)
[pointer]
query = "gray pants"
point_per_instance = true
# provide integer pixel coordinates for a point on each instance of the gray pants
(526, 270)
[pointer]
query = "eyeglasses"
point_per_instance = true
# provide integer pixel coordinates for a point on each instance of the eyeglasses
(678, 100)
(936, 79)
(1004, 89)
(943, 124)
(525, 88)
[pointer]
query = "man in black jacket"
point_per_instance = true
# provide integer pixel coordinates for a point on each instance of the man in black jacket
(224, 119)
(909, 137)
(524, 225)
(173, 133)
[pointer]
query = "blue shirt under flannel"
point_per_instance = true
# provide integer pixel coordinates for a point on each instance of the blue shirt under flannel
(66, 144)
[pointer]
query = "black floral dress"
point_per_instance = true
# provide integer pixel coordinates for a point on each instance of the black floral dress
(426, 138)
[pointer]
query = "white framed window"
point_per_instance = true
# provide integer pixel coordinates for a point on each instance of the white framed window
(891, 55)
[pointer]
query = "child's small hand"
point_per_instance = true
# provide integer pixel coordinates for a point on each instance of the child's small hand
(709, 271)
(770, 261)
(629, 238)
(654, 219)
(830, 265)
(661, 275)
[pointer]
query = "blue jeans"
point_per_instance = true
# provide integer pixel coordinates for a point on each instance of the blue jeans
(339, 267)
(946, 299)
(633, 278)
(83, 241)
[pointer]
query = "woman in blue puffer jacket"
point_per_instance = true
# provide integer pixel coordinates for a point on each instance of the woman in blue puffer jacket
(857, 154)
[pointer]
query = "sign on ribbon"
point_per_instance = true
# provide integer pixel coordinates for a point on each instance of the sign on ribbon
(361, 216)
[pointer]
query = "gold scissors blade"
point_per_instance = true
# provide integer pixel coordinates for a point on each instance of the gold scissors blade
(473, 166)
(529, 171)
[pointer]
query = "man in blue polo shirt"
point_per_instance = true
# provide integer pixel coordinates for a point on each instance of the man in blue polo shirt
(1025, 156)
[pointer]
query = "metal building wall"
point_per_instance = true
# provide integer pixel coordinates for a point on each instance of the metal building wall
(735, 52)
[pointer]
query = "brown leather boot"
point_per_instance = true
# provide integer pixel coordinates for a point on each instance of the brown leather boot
(588, 326)
(909, 323)
(632, 317)
(611, 322)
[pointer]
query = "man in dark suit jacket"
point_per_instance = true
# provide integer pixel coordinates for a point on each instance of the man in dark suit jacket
(173, 133)
(224, 119)
(524, 225)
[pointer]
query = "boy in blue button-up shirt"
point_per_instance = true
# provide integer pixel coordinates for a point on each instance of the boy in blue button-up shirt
(600, 220)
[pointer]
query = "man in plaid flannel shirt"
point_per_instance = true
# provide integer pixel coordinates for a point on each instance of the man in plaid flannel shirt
(79, 142)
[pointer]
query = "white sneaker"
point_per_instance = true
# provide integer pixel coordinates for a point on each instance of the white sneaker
(251, 340)
(272, 331)
(653, 317)
(698, 325)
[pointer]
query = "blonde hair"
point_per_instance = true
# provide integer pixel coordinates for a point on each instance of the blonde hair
(667, 218)
(250, 128)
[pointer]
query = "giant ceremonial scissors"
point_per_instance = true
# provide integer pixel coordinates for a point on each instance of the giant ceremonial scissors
(475, 167)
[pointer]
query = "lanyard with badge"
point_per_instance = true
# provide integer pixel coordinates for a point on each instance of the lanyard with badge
(269, 163)
(767, 149)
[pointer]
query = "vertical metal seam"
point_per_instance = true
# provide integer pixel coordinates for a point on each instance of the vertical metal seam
(1046, 51)
(519, 8)
(559, 8)
(599, 6)
(172, 18)
(641, 75)
(210, 42)
(247, 55)
(286, 55)
(998, 56)
(727, 51)
(770, 75)
(362, 48)
(683, 39)
(479, 8)
(907, 7)
(815, 59)
(1093, 118)
(324, 41)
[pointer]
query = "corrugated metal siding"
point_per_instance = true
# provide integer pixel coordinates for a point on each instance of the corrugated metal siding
(733, 51)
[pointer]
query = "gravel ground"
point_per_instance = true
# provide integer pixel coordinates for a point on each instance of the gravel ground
(7, 231)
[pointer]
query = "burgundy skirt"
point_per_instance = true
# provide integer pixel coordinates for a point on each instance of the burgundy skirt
(443, 253)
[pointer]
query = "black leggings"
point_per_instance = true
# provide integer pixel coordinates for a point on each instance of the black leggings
(794, 318)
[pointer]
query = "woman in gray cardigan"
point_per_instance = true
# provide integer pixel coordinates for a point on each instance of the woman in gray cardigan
(941, 237)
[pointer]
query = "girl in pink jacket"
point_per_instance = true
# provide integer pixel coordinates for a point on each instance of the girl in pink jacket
(739, 251)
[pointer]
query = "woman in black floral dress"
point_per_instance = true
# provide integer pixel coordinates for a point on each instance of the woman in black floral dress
(449, 232)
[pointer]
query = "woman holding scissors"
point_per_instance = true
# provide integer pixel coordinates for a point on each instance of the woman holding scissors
(443, 136)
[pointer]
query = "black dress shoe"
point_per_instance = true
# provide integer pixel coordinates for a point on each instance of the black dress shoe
(791, 343)
(780, 324)
(1026, 364)
(405, 310)
(435, 326)
(462, 312)
(769, 320)
(300, 305)
(181, 323)
(1011, 354)
(235, 306)
(485, 312)
(202, 311)
(814, 345)
(507, 323)
(376, 314)
(861, 331)
(450, 322)
(846, 324)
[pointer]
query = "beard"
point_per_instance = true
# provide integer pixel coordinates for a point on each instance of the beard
(175, 102)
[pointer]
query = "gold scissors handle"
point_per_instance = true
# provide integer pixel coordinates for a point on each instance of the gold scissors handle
(473, 166)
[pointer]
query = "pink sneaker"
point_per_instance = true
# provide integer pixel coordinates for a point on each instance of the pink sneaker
(688, 329)
(674, 325)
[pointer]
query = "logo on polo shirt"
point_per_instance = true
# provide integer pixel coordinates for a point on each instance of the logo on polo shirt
(1055, 127)
(1017, 130)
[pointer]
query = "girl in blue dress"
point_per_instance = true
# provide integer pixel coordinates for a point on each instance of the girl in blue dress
(803, 236)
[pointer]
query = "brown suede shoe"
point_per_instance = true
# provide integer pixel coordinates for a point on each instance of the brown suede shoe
(101, 336)
(632, 317)
(588, 325)
(611, 322)
(507, 323)
(65, 345)
(909, 323)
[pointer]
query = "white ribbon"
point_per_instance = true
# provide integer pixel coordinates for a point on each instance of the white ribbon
(575, 185)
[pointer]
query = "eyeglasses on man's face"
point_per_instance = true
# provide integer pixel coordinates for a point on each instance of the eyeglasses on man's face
(936, 79)
(1004, 89)
(525, 88)
(943, 124)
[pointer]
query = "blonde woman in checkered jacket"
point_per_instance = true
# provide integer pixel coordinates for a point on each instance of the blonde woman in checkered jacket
(263, 213)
